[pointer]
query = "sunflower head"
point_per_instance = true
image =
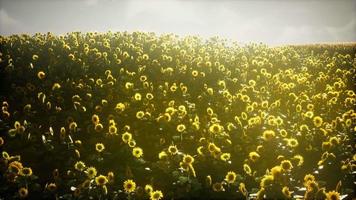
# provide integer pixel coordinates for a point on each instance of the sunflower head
(156, 195)
(112, 129)
(225, 156)
(218, 187)
(268, 135)
(188, 159)
(266, 181)
(99, 147)
(91, 172)
(254, 156)
(129, 186)
(181, 128)
(23, 192)
(318, 121)
(137, 152)
(148, 188)
(101, 180)
(230, 177)
(173, 149)
(41, 75)
(286, 165)
(286, 192)
(80, 166)
(26, 171)
(126, 137)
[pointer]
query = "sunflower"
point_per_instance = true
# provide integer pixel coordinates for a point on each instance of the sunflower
(149, 96)
(5, 155)
(140, 114)
(208, 180)
(268, 135)
(225, 156)
(34, 57)
(242, 189)
(73, 126)
(26, 171)
(210, 91)
(334, 141)
(181, 128)
(230, 177)
(266, 181)
(156, 195)
(312, 186)
(126, 137)
(276, 172)
(212, 147)
(119, 107)
(218, 187)
(95, 119)
(129, 85)
(283, 133)
(264, 104)
(254, 156)
(309, 114)
(41, 75)
(200, 150)
(299, 160)
(51, 187)
(215, 128)
(292, 142)
(188, 159)
(318, 121)
(110, 177)
(98, 127)
(148, 188)
(15, 166)
(99, 147)
(137, 152)
(308, 177)
(23, 192)
(173, 149)
(112, 129)
(91, 172)
(286, 192)
(129, 186)
(138, 97)
(17, 125)
(195, 73)
(247, 169)
(101, 180)
(210, 111)
(132, 143)
(286, 165)
(80, 166)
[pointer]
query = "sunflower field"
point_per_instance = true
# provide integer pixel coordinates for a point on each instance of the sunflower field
(121, 115)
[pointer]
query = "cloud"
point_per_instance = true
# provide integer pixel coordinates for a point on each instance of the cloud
(8, 24)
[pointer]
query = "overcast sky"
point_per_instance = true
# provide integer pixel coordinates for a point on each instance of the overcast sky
(269, 21)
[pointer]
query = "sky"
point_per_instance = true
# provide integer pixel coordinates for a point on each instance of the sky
(274, 22)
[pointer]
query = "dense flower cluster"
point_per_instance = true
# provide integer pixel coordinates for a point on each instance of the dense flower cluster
(140, 116)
